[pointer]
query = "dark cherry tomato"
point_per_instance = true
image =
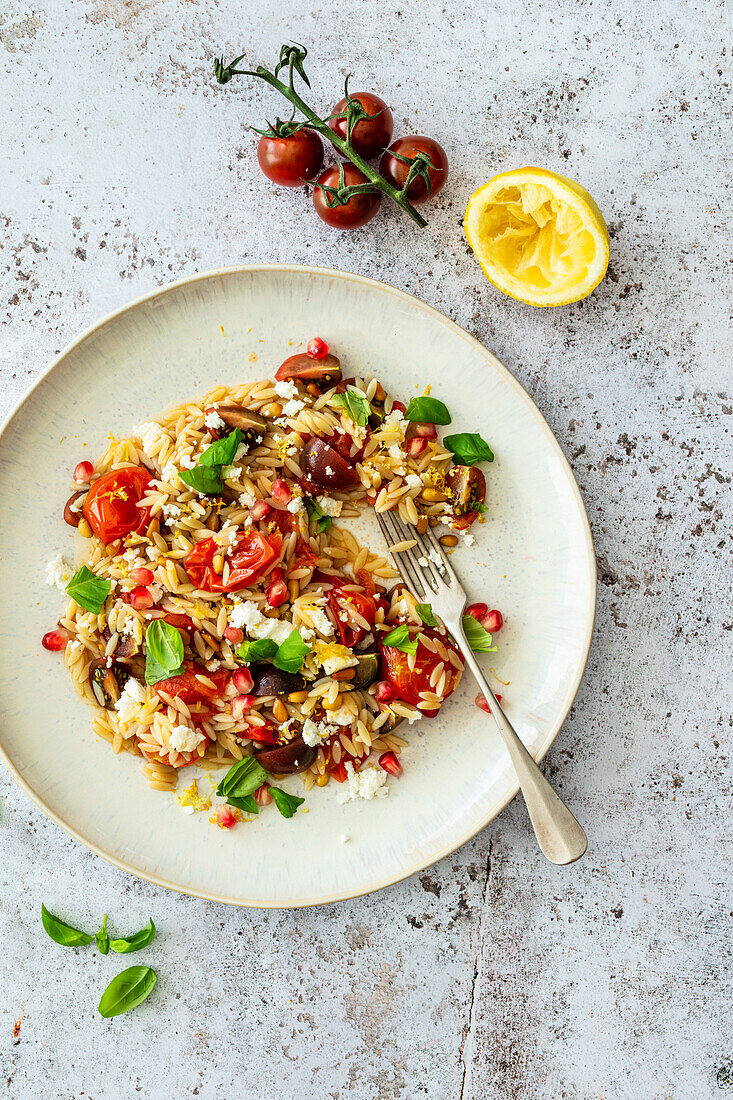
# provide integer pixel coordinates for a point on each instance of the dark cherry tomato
(396, 170)
(468, 486)
(409, 682)
(289, 161)
(111, 505)
(371, 135)
(251, 556)
(359, 209)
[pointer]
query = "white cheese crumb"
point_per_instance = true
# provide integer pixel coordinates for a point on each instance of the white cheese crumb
(286, 389)
(329, 471)
(423, 561)
(247, 499)
(292, 408)
(338, 661)
(321, 622)
(213, 420)
(131, 697)
(341, 717)
(297, 504)
(394, 416)
(469, 539)
(329, 506)
(150, 435)
(413, 481)
(58, 572)
(185, 739)
(170, 511)
(188, 809)
(229, 472)
(243, 449)
(368, 783)
(247, 616)
(315, 732)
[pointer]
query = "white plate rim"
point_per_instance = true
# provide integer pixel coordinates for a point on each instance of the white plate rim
(415, 303)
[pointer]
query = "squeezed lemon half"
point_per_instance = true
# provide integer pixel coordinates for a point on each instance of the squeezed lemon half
(538, 236)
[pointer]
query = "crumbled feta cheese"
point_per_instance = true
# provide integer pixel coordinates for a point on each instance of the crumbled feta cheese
(129, 628)
(394, 417)
(247, 616)
(185, 738)
(286, 389)
(213, 420)
(292, 408)
(186, 462)
(335, 658)
(229, 472)
(329, 506)
(297, 504)
(131, 697)
(150, 435)
(58, 572)
(213, 664)
(469, 539)
(170, 511)
(243, 449)
(315, 732)
(329, 471)
(423, 561)
(341, 717)
(436, 559)
(368, 783)
(413, 481)
(395, 451)
(247, 499)
(321, 622)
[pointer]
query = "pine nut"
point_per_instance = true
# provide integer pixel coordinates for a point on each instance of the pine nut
(298, 696)
(422, 524)
(322, 780)
(344, 674)
(280, 711)
(218, 563)
(272, 410)
(448, 540)
(84, 529)
(434, 496)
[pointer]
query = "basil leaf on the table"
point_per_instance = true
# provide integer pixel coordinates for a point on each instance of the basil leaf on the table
(291, 654)
(88, 590)
(354, 404)
(427, 410)
(399, 638)
(102, 937)
(63, 933)
(468, 448)
(317, 515)
(425, 612)
(222, 452)
(478, 638)
(204, 479)
(127, 990)
(286, 803)
(127, 944)
(243, 778)
(247, 803)
(163, 651)
(259, 650)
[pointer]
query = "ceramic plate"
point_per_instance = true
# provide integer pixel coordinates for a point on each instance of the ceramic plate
(533, 559)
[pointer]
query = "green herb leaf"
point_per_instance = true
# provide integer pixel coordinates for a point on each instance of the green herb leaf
(425, 612)
(63, 933)
(259, 650)
(479, 639)
(222, 452)
(127, 990)
(291, 654)
(399, 638)
(317, 515)
(102, 937)
(243, 778)
(286, 803)
(354, 404)
(204, 479)
(136, 941)
(468, 448)
(89, 590)
(247, 803)
(481, 508)
(427, 410)
(164, 651)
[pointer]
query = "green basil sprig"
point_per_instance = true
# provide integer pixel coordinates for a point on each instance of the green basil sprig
(88, 590)
(317, 515)
(479, 639)
(243, 778)
(102, 937)
(425, 612)
(468, 448)
(163, 651)
(261, 649)
(204, 479)
(127, 990)
(291, 654)
(63, 933)
(127, 944)
(222, 451)
(286, 803)
(427, 410)
(399, 638)
(354, 404)
(205, 476)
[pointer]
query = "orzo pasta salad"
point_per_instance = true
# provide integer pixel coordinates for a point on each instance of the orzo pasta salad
(224, 616)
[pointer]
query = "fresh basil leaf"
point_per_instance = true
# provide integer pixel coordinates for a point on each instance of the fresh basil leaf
(479, 639)
(63, 933)
(163, 651)
(102, 937)
(468, 448)
(259, 650)
(425, 612)
(481, 508)
(399, 638)
(247, 803)
(222, 452)
(243, 778)
(136, 941)
(204, 479)
(291, 654)
(88, 590)
(354, 404)
(317, 515)
(286, 803)
(127, 990)
(427, 410)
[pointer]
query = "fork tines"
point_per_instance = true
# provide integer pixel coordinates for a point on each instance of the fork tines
(423, 566)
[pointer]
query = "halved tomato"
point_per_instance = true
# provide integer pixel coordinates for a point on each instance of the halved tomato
(351, 633)
(190, 690)
(111, 505)
(410, 682)
(249, 560)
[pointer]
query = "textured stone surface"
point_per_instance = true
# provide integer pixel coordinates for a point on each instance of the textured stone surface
(492, 975)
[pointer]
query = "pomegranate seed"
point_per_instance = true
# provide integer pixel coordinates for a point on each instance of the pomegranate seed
(384, 692)
(399, 406)
(389, 762)
(263, 796)
(241, 703)
(234, 635)
(317, 348)
(493, 622)
(225, 819)
(142, 575)
(276, 593)
(416, 446)
(482, 704)
(141, 598)
(242, 680)
(426, 431)
(476, 611)
(83, 471)
(56, 640)
(259, 510)
(281, 491)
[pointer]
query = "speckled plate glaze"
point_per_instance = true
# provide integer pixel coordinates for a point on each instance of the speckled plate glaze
(533, 559)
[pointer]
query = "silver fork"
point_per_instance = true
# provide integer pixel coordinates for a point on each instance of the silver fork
(558, 834)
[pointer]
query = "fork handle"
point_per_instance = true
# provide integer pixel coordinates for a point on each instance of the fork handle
(559, 835)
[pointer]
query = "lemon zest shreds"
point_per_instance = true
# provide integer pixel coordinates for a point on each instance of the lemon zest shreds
(191, 797)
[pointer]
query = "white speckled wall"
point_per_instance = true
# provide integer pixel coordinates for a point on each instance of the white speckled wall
(493, 975)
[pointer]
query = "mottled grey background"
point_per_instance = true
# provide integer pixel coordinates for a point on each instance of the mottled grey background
(493, 974)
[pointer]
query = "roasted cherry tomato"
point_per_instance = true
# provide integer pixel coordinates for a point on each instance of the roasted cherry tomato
(251, 556)
(286, 522)
(290, 161)
(370, 135)
(396, 170)
(111, 505)
(268, 734)
(358, 210)
(409, 682)
(350, 633)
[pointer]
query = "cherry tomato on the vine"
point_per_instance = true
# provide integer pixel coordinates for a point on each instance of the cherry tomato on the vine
(290, 161)
(396, 170)
(370, 135)
(358, 210)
